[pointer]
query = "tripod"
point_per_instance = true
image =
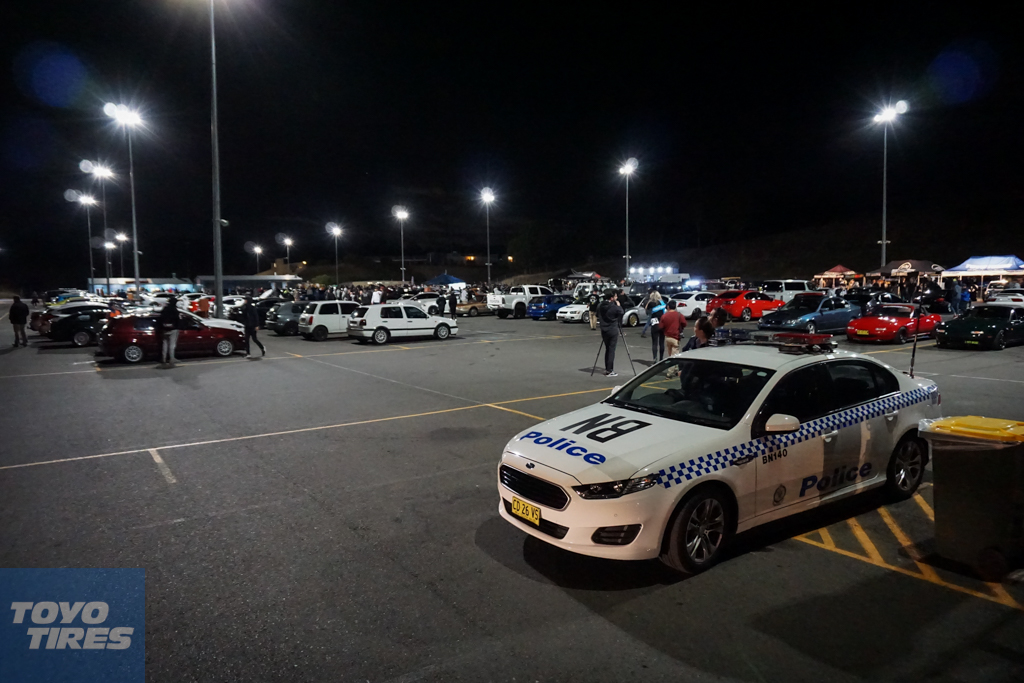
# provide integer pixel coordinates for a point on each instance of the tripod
(624, 345)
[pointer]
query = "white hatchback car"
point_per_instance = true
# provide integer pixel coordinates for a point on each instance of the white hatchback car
(382, 322)
(323, 319)
(715, 442)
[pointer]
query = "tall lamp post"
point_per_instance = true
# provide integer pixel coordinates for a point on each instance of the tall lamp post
(257, 250)
(886, 117)
(335, 230)
(627, 169)
(128, 119)
(102, 174)
(107, 248)
(487, 196)
(288, 242)
(121, 239)
(86, 201)
(401, 214)
(218, 261)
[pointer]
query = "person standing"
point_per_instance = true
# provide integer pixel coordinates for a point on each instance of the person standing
(452, 302)
(657, 333)
(672, 324)
(251, 321)
(203, 307)
(170, 323)
(653, 301)
(377, 296)
(441, 301)
(593, 307)
(610, 314)
(19, 318)
(955, 304)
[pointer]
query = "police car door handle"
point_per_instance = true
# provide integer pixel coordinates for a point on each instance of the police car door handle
(828, 437)
(742, 460)
(892, 415)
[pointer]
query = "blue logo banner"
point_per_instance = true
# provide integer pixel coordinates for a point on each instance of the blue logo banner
(72, 625)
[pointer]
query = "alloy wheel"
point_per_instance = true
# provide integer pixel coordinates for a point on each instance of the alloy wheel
(705, 531)
(909, 466)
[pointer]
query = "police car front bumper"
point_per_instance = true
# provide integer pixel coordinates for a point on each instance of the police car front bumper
(584, 520)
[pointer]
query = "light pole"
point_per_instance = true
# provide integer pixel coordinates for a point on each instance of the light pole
(886, 117)
(627, 170)
(487, 196)
(401, 214)
(257, 250)
(335, 230)
(100, 173)
(121, 239)
(218, 263)
(129, 119)
(86, 201)
(108, 247)
(288, 242)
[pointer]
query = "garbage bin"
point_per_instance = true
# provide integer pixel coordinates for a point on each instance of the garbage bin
(978, 472)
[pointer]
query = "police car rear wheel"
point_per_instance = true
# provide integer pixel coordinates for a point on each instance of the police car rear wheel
(906, 468)
(699, 532)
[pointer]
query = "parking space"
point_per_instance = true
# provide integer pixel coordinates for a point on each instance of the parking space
(329, 512)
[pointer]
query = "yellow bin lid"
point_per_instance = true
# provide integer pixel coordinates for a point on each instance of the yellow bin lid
(990, 428)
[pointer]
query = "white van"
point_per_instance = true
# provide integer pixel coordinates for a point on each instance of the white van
(323, 319)
(785, 290)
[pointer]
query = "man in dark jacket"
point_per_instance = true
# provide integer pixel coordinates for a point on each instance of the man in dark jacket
(610, 315)
(19, 318)
(441, 301)
(169, 323)
(251, 321)
(452, 302)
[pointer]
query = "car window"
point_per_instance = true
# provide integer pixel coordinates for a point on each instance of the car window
(828, 305)
(773, 286)
(804, 302)
(709, 393)
(516, 290)
(348, 306)
(683, 296)
(296, 308)
(310, 308)
(803, 393)
(145, 323)
(853, 383)
(625, 302)
(391, 312)
(537, 300)
(885, 381)
(795, 286)
(411, 312)
(359, 312)
(731, 294)
(329, 309)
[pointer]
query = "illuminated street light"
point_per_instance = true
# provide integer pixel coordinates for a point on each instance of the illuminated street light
(108, 246)
(257, 250)
(121, 239)
(100, 173)
(627, 170)
(401, 214)
(487, 197)
(288, 242)
(129, 119)
(886, 117)
(86, 201)
(335, 230)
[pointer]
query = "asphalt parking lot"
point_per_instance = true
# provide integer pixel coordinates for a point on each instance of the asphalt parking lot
(329, 513)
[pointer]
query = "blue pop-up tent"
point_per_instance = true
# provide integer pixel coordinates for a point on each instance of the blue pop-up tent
(988, 266)
(444, 280)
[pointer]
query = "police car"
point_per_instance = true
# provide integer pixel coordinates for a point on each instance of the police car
(714, 442)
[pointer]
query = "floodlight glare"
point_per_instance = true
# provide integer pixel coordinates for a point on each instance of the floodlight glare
(334, 229)
(121, 237)
(629, 167)
(288, 241)
(487, 195)
(901, 107)
(400, 212)
(258, 249)
(86, 199)
(122, 114)
(109, 245)
(101, 171)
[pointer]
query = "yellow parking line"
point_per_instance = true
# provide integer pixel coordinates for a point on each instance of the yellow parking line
(865, 542)
(911, 549)
(517, 412)
(538, 398)
(924, 506)
(826, 538)
(1002, 596)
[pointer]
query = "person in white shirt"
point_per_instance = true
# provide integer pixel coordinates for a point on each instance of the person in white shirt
(376, 297)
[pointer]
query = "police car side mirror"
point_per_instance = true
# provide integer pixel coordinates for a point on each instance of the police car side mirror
(781, 424)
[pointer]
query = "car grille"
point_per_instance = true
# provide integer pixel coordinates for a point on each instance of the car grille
(545, 526)
(616, 535)
(532, 488)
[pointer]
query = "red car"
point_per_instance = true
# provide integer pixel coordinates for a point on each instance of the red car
(745, 304)
(892, 324)
(132, 338)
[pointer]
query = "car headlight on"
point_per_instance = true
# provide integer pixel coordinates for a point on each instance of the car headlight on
(616, 489)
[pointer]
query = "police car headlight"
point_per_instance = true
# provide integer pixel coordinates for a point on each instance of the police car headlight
(616, 489)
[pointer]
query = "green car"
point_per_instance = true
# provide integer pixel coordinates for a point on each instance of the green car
(991, 326)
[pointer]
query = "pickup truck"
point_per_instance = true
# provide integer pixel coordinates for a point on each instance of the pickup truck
(514, 303)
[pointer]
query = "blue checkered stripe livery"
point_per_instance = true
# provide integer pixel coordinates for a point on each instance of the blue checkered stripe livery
(719, 460)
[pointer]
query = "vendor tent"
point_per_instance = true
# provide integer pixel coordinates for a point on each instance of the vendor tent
(989, 266)
(444, 280)
(839, 272)
(907, 267)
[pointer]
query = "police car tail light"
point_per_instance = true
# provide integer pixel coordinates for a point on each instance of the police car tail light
(616, 489)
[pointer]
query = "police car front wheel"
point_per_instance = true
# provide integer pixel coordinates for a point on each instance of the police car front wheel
(906, 468)
(699, 532)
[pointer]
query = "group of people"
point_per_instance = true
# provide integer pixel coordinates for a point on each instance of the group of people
(664, 322)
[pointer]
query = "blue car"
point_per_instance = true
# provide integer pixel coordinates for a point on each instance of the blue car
(811, 312)
(547, 306)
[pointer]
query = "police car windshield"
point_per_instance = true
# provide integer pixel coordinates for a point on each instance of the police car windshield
(709, 393)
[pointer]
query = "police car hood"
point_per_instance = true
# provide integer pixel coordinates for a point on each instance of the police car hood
(603, 443)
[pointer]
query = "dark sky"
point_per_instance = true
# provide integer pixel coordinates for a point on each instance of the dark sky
(744, 121)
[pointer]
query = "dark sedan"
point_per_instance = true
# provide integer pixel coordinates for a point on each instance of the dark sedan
(990, 326)
(80, 328)
(811, 312)
(868, 301)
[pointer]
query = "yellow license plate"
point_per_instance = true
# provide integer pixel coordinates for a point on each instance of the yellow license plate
(863, 333)
(971, 342)
(531, 513)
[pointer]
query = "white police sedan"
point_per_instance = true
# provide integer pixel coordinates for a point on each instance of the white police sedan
(714, 442)
(383, 322)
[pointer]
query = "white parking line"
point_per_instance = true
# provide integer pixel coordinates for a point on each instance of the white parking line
(162, 466)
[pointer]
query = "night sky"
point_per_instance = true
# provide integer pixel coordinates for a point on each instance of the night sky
(744, 122)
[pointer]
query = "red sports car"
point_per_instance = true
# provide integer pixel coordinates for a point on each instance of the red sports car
(892, 324)
(745, 304)
(132, 338)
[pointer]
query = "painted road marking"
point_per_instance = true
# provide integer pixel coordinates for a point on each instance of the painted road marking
(162, 466)
(908, 347)
(517, 412)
